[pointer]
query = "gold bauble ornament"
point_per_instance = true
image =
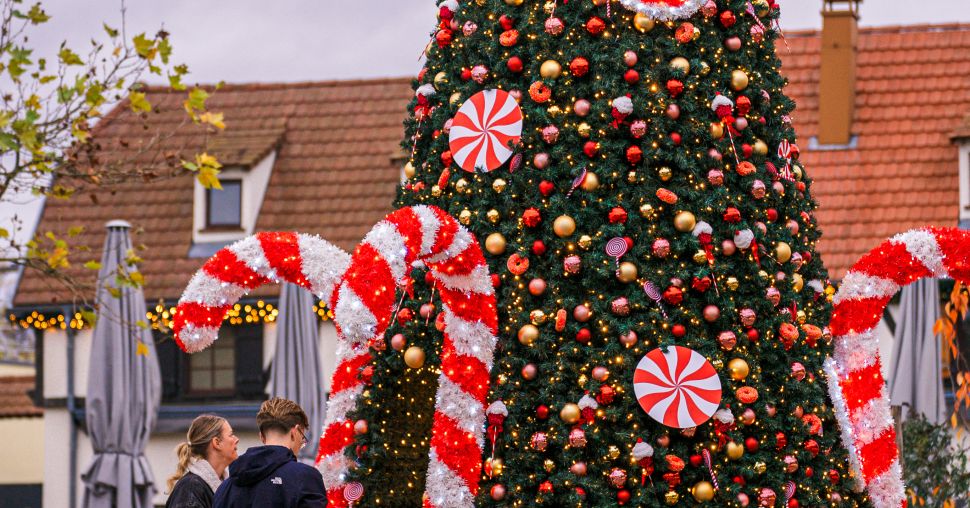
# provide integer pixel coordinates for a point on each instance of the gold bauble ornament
(703, 491)
(760, 147)
(797, 282)
(648, 212)
(704, 68)
(582, 380)
(801, 317)
(681, 64)
(465, 217)
(564, 226)
(549, 7)
(496, 465)
(570, 413)
(499, 185)
(738, 369)
(734, 450)
(409, 170)
(700, 257)
(627, 272)
(782, 252)
(764, 275)
(642, 22)
(732, 283)
(671, 498)
(455, 98)
(585, 242)
(665, 174)
(591, 182)
(548, 465)
(514, 3)
(550, 69)
(537, 317)
(528, 334)
(461, 185)
(762, 7)
(493, 216)
(739, 80)
(435, 190)
(553, 110)
(584, 130)
(414, 357)
(632, 177)
(760, 467)
(717, 130)
(797, 171)
(495, 244)
(440, 79)
(613, 452)
(685, 222)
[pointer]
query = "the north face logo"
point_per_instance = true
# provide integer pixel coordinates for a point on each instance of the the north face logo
(277, 481)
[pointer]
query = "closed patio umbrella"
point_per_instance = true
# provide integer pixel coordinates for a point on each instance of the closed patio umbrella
(915, 374)
(296, 371)
(124, 387)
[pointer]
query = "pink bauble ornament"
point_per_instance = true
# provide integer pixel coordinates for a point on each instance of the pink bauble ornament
(638, 128)
(793, 227)
(728, 247)
(743, 499)
(630, 58)
(360, 427)
(550, 134)
(741, 123)
(539, 441)
(426, 310)
(577, 438)
(715, 177)
(469, 28)
(673, 111)
(771, 410)
(747, 416)
(727, 339)
(479, 74)
(767, 497)
(620, 306)
(779, 188)
(711, 313)
(554, 26)
(733, 43)
(572, 264)
(798, 371)
(617, 477)
(758, 189)
(582, 107)
(748, 317)
(661, 247)
(497, 492)
(710, 8)
(537, 287)
(715, 154)
(628, 339)
(600, 373)
(398, 342)
(773, 295)
(582, 313)
(578, 469)
(529, 371)
(757, 33)
(541, 160)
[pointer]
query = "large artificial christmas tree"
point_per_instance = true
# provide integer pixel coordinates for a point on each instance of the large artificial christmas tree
(652, 199)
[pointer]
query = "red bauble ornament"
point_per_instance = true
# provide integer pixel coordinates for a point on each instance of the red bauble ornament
(465, 75)
(631, 76)
(443, 38)
(771, 214)
(752, 335)
(538, 248)
(497, 492)
(623, 496)
(751, 444)
(545, 487)
(675, 87)
(583, 335)
(579, 66)
(531, 217)
(546, 188)
(673, 295)
(696, 460)
(781, 440)
(595, 25)
(606, 395)
(542, 412)
(506, 22)
(678, 330)
(675, 137)
(591, 149)
(405, 315)
(514, 64)
(732, 215)
(617, 215)
(634, 154)
(728, 19)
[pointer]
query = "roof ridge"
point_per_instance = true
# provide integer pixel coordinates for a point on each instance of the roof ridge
(889, 29)
(262, 85)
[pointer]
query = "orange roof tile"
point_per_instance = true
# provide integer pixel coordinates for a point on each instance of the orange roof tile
(14, 398)
(334, 174)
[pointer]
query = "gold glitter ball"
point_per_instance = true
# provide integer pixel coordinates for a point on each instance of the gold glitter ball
(584, 129)
(700, 257)
(632, 177)
(537, 317)
(499, 185)
(585, 241)
(760, 467)
(671, 497)
(582, 380)
(435, 191)
(465, 217)
(665, 173)
(554, 110)
(549, 465)
(613, 452)
(648, 212)
(732, 283)
(493, 216)
(461, 185)
(801, 316)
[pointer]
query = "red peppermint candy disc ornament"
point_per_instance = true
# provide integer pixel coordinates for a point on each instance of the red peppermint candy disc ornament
(679, 388)
(664, 10)
(485, 127)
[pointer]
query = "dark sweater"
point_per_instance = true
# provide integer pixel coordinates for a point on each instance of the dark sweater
(191, 491)
(270, 476)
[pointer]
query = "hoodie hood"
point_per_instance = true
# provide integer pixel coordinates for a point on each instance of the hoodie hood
(258, 463)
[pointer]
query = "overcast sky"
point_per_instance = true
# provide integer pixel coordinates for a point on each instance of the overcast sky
(301, 40)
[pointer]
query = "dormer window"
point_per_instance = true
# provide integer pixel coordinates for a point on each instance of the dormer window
(224, 206)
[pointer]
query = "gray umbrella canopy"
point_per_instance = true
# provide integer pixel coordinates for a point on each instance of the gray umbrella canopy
(916, 370)
(296, 372)
(124, 387)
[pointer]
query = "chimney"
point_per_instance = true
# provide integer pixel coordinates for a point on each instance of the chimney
(840, 27)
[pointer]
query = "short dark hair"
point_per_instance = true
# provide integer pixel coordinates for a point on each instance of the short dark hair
(281, 415)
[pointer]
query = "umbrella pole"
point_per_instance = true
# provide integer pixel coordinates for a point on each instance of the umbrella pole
(71, 406)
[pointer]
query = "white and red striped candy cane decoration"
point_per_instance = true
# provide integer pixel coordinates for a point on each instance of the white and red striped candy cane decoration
(363, 309)
(856, 384)
(784, 152)
(259, 259)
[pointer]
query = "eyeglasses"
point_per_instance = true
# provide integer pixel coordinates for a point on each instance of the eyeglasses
(305, 440)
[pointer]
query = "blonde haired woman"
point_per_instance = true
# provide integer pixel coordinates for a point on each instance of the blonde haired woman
(209, 448)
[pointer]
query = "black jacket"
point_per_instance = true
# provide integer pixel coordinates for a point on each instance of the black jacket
(191, 491)
(270, 476)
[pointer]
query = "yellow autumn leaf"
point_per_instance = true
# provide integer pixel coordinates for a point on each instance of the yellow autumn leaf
(213, 119)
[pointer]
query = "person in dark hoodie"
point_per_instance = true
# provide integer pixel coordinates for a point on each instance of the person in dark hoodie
(269, 475)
